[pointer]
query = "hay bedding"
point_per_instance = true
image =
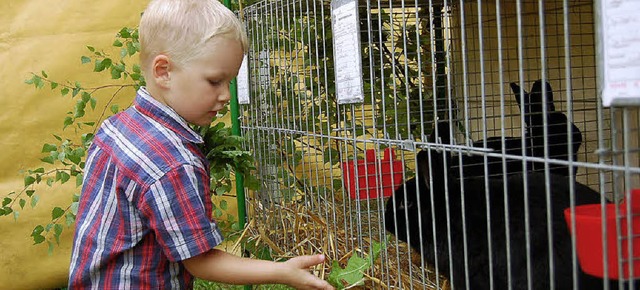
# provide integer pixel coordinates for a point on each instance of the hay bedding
(294, 229)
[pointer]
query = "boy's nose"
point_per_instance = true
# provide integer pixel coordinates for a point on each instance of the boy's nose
(225, 96)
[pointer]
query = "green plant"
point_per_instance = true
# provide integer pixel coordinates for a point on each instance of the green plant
(64, 158)
(353, 273)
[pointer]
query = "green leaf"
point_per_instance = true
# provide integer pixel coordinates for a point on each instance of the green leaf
(6, 210)
(375, 250)
(54, 85)
(85, 59)
(115, 73)
(124, 33)
(217, 213)
(38, 82)
(79, 109)
(57, 230)
(70, 219)
(93, 102)
(75, 91)
(29, 180)
(131, 49)
(117, 43)
(49, 147)
(99, 65)
(107, 63)
(64, 177)
(74, 207)
(220, 190)
(223, 204)
(67, 121)
(78, 179)
(34, 200)
(6, 201)
(352, 274)
(30, 192)
(91, 48)
(115, 108)
(64, 91)
(86, 96)
(48, 159)
(62, 156)
(37, 234)
(87, 138)
(56, 213)
(31, 80)
(37, 230)
(22, 203)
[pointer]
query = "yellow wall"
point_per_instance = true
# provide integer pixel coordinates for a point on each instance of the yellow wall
(45, 35)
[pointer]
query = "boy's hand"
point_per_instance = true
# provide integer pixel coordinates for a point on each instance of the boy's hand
(299, 276)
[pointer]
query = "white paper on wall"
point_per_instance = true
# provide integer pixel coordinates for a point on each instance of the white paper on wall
(620, 57)
(347, 51)
(242, 81)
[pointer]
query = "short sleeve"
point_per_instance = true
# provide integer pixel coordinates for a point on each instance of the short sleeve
(178, 210)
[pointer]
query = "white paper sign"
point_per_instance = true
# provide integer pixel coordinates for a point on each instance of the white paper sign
(620, 27)
(242, 81)
(347, 51)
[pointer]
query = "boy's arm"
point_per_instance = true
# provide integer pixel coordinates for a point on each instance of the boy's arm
(217, 265)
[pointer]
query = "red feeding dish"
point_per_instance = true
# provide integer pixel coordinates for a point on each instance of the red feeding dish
(589, 237)
(375, 178)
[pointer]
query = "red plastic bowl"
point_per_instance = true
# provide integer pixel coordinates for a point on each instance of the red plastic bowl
(589, 241)
(373, 178)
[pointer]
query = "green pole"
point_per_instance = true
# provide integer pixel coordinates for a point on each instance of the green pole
(235, 130)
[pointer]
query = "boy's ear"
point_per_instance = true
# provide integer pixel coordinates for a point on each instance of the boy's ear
(161, 70)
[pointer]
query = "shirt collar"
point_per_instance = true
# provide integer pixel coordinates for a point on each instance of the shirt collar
(165, 115)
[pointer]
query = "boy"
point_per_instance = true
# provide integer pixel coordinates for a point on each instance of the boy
(144, 220)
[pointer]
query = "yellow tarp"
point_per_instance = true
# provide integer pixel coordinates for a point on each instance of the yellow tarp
(38, 35)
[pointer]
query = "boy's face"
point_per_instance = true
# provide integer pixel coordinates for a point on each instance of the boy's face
(199, 89)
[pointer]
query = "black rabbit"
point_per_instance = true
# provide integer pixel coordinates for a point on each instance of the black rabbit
(429, 208)
(534, 141)
(557, 134)
(473, 165)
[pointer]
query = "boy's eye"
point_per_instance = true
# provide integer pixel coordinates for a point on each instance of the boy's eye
(215, 82)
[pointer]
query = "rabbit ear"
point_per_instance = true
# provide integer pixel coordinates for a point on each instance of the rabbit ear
(536, 96)
(443, 133)
(433, 167)
(516, 91)
(423, 164)
(550, 106)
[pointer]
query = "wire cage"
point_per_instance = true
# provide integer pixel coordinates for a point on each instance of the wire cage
(481, 124)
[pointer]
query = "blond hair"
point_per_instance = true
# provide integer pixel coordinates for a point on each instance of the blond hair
(181, 29)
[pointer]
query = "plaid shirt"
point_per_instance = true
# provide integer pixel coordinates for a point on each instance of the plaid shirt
(145, 203)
